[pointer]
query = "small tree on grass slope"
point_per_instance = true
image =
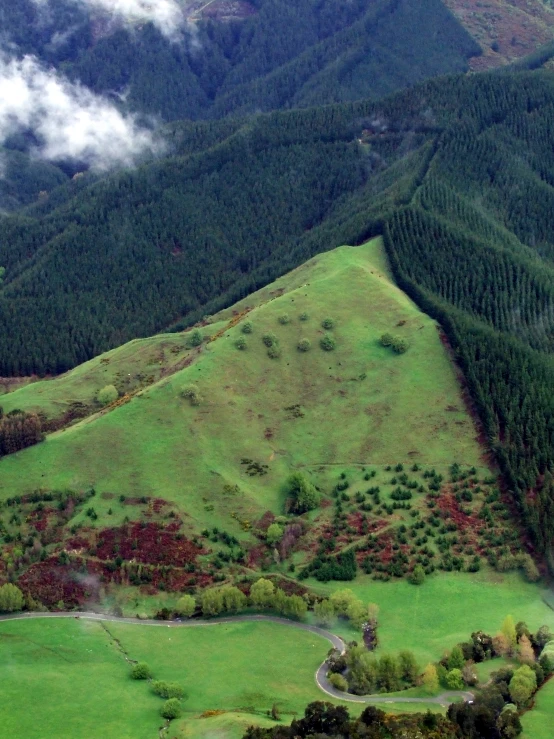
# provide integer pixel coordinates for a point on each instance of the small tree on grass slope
(302, 494)
(107, 395)
(171, 709)
(141, 671)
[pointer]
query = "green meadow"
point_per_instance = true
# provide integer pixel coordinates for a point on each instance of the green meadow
(76, 675)
(351, 401)
(539, 722)
(446, 609)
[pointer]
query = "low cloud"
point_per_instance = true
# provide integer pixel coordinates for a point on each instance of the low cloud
(167, 15)
(67, 120)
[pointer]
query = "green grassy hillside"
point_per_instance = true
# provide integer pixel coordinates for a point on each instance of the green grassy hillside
(78, 676)
(359, 404)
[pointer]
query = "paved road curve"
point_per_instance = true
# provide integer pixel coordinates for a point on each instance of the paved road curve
(444, 699)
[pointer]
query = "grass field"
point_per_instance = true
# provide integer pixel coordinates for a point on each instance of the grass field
(353, 401)
(66, 679)
(539, 722)
(76, 677)
(435, 616)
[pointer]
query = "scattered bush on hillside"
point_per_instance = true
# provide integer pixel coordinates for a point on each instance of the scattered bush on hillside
(274, 352)
(11, 598)
(195, 339)
(304, 345)
(327, 324)
(107, 395)
(167, 690)
(270, 340)
(141, 671)
(302, 495)
(396, 343)
(171, 709)
(303, 316)
(191, 393)
(240, 343)
(246, 327)
(284, 318)
(328, 343)
(400, 345)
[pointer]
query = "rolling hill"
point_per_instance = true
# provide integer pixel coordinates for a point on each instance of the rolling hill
(283, 411)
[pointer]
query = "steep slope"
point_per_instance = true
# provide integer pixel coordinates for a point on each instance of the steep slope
(304, 409)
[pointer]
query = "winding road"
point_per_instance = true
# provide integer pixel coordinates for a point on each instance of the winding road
(444, 699)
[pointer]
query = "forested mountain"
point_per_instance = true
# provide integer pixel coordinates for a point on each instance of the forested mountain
(275, 54)
(457, 174)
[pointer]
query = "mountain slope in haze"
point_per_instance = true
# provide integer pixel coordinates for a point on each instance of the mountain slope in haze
(279, 55)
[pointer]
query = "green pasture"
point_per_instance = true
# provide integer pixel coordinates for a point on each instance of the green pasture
(65, 679)
(433, 617)
(539, 722)
(353, 402)
(76, 677)
(127, 367)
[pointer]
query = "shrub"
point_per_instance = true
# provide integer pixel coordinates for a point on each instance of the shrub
(107, 395)
(186, 605)
(454, 680)
(11, 598)
(399, 345)
(240, 343)
(522, 685)
(386, 339)
(418, 575)
(141, 671)
(274, 352)
(303, 316)
(530, 570)
(324, 612)
(171, 709)
(167, 690)
(327, 324)
(304, 345)
(246, 327)
(270, 340)
(192, 393)
(274, 534)
(284, 318)
(302, 493)
(327, 343)
(338, 681)
(195, 339)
